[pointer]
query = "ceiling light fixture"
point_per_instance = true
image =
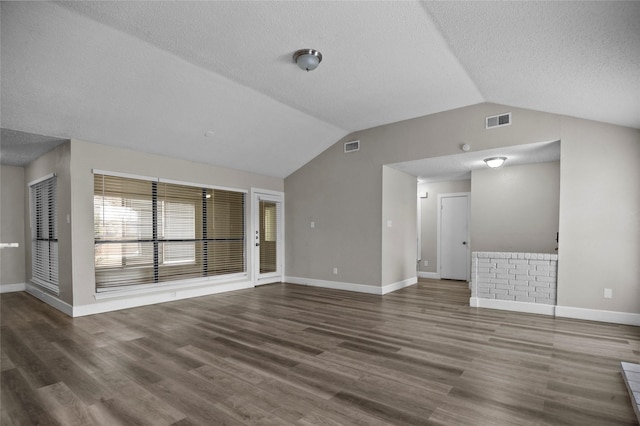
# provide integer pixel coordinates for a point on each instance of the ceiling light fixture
(495, 162)
(307, 59)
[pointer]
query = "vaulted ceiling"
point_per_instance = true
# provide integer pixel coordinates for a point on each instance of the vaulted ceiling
(156, 76)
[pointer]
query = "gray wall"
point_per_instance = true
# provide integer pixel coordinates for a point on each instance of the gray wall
(398, 242)
(342, 193)
(55, 161)
(429, 218)
(88, 156)
(515, 209)
(12, 217)
(599, 216)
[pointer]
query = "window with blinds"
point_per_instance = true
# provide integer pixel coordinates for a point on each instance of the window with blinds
(44, 233)
(148, 232)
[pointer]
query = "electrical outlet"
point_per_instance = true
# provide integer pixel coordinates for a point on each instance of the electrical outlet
(313, 224)
(426, 263)
(608, 293)
(335, 271)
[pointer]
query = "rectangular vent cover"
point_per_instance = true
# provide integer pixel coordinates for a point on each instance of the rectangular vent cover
(352, 146)
(498, 120)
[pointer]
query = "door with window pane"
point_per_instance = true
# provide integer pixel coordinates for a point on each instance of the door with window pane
(268, 239)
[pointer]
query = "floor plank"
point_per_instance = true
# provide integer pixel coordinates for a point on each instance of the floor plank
(293, 355)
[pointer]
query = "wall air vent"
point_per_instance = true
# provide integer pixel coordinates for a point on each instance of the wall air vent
(352, 146)
(498, 120)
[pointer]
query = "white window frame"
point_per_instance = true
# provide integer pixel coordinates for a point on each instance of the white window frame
(52, 267)
(141, 288)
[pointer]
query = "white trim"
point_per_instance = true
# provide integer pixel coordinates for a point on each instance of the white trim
(267, 192)
(42, 179)
(258, 194)
(51, 287)
(358, 288)
(124, 175)
(439, 208)
(164, 180)
(49, 299)
(167, 295)
(419, 229)
(10, 288)
(399, 285)
(510, 305)
(269, 280)
(201, 185)
(432, 275)
(134, 290)
(627, 318)
(336, 285)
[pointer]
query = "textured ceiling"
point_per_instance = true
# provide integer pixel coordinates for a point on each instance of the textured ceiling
(578, 58)
(20, 148)
(459, 166)
(155, 76)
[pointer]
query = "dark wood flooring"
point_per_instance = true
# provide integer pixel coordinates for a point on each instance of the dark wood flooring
(288, 354)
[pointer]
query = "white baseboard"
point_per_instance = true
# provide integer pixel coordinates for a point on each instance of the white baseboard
(10, 288)
(358, 288)
(432, 275)
(614, 317)
(509, 305)
(626, 318)
(336, 285)
(49, 299)
(399, 285)
(170, 295)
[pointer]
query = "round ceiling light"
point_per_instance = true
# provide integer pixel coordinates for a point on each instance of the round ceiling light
(495, 162)
(307, 59)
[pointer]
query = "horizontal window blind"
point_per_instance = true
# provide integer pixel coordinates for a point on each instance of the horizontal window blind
(149, 232)
(269, 219)
(44, 233)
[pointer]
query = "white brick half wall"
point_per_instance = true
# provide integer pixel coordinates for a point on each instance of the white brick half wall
(527, 282)
(514, 277)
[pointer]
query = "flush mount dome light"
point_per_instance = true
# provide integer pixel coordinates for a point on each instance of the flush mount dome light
(307, 59)
(495, 162)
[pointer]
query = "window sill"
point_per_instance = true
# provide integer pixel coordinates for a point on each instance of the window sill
(170, 286)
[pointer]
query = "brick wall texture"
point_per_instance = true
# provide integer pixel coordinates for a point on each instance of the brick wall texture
(520, 277)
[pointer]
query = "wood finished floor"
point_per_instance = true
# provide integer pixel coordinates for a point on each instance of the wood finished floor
(288, 354)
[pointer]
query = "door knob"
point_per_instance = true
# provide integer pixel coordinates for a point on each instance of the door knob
(464, 243)
(257, 244)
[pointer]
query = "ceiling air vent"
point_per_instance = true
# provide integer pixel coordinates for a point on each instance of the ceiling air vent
(498, 120)
(352, 146)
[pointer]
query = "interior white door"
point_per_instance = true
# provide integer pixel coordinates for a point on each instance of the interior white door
(268, 239)
(454, 234)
